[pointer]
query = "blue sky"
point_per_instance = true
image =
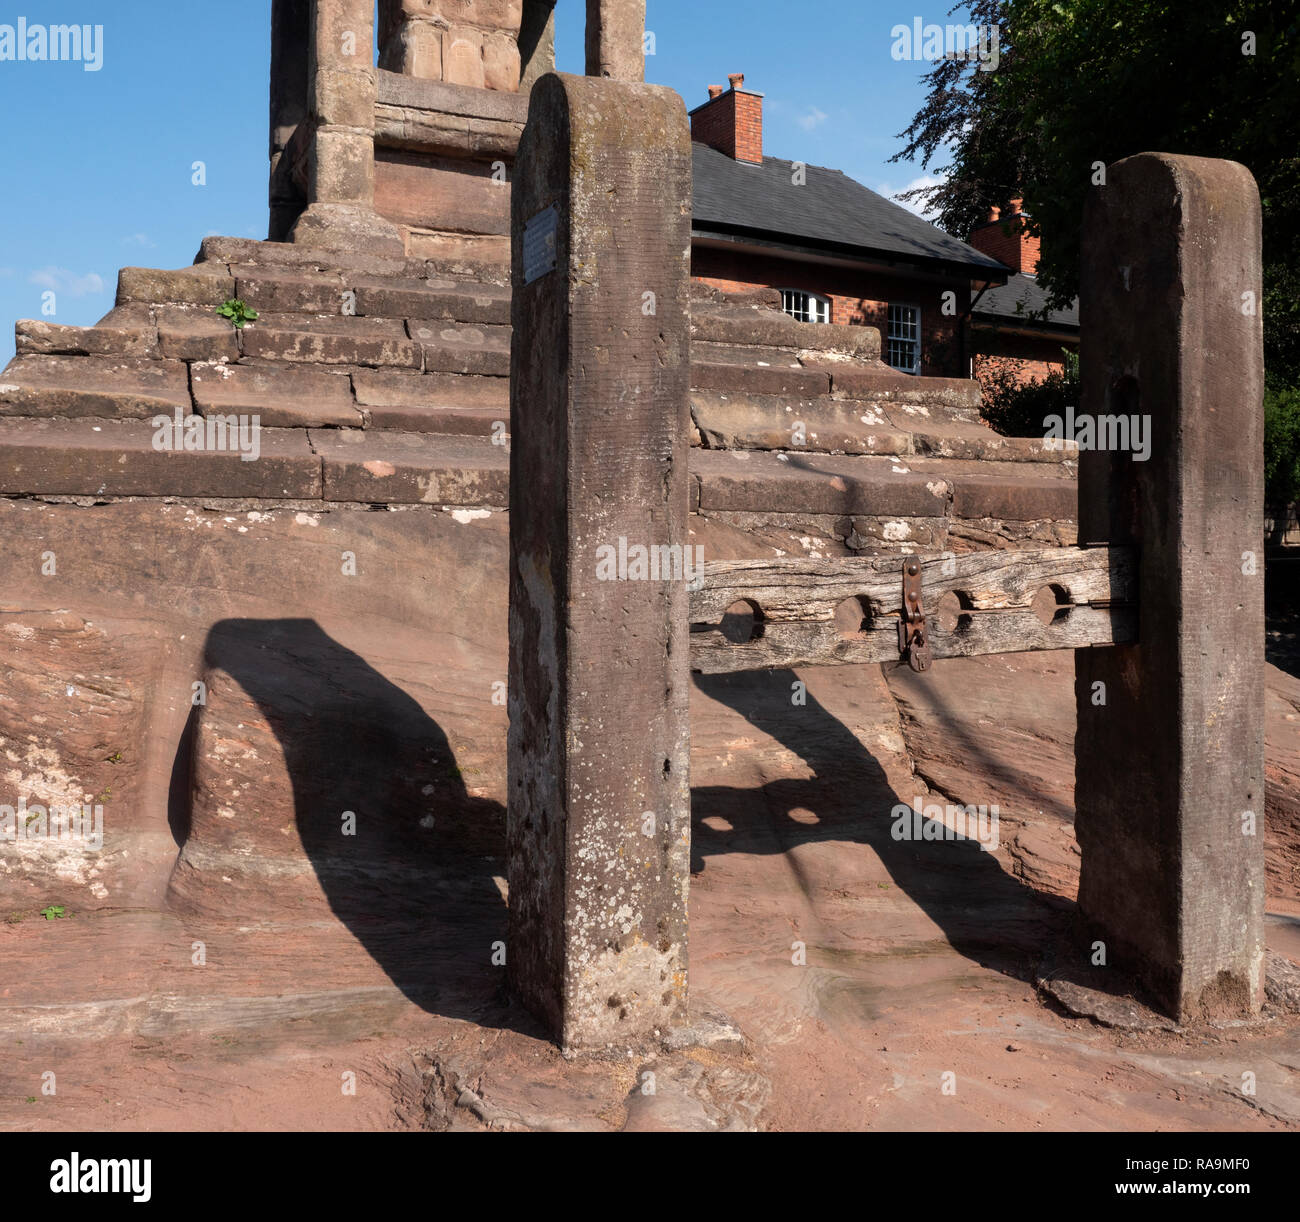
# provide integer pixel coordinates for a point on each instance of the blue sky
(99, 164)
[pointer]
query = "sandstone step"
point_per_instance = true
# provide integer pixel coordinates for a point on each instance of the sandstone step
(108, 387)
(449, 348)
(202, 284)
(389, 468)
(881, 385)
(903, 487)
(737, 325)
(249, 252)
(119, 458)
(433, 402)
(124, 331)
(739, 421)
(337, 340)
(195, 333)
(754, 370)
(290, 290)
(221, 253)
(282, 396)
(434, 299)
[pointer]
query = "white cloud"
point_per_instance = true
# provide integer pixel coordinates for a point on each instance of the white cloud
(140, 239)
(814, 118)
(61, 280)
(912, 205)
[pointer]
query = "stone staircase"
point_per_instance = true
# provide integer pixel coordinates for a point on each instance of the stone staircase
(385, 382)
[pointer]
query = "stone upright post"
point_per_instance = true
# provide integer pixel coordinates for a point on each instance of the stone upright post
(616, 39)
(599, 744)
(290, 55)
(1169, 771)
(341, 188)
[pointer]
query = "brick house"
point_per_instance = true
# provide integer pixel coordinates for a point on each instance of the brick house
(838, 251)
(1010, 328)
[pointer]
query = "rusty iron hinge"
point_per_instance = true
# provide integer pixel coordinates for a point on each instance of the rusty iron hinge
(913, 638)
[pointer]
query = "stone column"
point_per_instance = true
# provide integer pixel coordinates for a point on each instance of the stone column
(1169, 771)
(290, 40)
(599, 745)
(341, 188)
(536, 42)
(616, 39)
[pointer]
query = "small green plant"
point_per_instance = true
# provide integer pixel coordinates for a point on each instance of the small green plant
(31, 1098)
(238, 313)
(115, 758)
(55, 912)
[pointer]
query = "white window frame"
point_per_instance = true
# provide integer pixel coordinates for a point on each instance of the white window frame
(816, 308)
(914, 324)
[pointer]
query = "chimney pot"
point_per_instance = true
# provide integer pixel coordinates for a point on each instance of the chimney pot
(1017, 204)
(994, 213)
(715, 91)
(737, 80)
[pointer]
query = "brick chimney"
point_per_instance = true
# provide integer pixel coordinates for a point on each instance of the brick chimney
(731, 121)
(1005, 237)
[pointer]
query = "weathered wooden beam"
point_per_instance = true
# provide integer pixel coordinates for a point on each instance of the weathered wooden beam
(794, 603)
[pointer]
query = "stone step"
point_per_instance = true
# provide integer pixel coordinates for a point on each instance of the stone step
(434, 299)
(756, 370)
(433, 402)
(195, 333)
(106, 387)
(281, 396)
(449, 348)
(738, 325)
(740, 421)
(336, 340)
(119, 458)
(731, 421)
(224, 253)
(881, 385)
(127, 330)
(390, 468)
(894, 488)
(203, 284)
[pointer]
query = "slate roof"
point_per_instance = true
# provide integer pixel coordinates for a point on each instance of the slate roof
(1022, 298)
(831, 210)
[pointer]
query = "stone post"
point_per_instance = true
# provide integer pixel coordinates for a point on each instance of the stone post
(290, 30)
(599, 745)
(1169, 753)
(536, 42)
(616, 39)
(341, 189)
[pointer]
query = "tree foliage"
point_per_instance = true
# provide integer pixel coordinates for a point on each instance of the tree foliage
(1082, 82)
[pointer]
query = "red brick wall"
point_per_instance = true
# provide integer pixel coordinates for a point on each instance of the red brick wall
(1026, 359)
(732, 124)
(857, 298)
(1017, 249)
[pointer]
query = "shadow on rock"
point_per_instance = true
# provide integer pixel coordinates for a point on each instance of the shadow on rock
(310, 771)
(984, 913)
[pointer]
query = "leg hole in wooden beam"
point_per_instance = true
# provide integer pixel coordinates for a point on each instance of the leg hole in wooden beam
(1052, 604)
(742, 622)
(852, 617)
(952, 613)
